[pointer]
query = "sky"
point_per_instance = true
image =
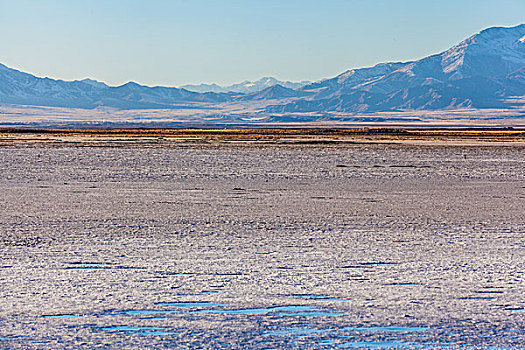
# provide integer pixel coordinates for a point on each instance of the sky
(176, 42)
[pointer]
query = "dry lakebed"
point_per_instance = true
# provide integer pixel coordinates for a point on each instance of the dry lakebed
(365, 244)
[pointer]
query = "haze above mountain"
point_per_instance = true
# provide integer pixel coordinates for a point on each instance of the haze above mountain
(487, 70)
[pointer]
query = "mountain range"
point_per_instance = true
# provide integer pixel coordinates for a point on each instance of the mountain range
(246, 87)
(487, 70)
(482, 71)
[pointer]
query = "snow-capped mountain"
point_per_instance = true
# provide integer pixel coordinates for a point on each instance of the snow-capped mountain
(204, 88)
(95, 83)
(482, 71)
(487, 70)
(22, 88)
(351, 78)
(275, 92)
(25, 89)
(246, 87)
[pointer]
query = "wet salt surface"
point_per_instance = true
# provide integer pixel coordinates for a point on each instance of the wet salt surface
(394, 344)
(289, 310)
(317, 297)
(389, 329)
(409, 345)
(308, 331)
(191, 304)
(275, 247)
(138, 330)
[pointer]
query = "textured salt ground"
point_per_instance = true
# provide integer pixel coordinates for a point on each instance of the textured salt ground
(274, 247)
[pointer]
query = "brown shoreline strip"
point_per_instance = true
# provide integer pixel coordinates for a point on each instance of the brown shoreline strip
(264, 136)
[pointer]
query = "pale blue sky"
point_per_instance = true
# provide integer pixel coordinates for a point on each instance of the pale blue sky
(175, 42)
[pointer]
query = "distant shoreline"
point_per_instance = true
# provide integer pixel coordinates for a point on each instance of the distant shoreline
(263, 136)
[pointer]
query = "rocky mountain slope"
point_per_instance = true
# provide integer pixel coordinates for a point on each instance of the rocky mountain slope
(482, 71)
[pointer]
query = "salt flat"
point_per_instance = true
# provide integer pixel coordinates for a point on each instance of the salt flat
(278, 246)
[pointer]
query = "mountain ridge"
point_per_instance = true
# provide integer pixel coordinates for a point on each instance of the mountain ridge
(246, 86)
(478, 72)
(486, 70)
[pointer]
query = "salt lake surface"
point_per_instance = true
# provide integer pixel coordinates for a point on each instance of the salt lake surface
(347, 246)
